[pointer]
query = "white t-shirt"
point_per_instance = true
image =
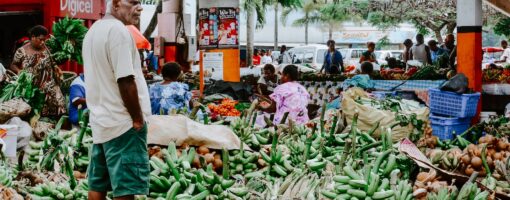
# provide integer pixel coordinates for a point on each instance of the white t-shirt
(506, 54)
(419, 53)
(270, 84)
(266, 60)
(109, 53)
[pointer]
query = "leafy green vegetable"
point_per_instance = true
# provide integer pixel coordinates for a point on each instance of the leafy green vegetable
(67, 39)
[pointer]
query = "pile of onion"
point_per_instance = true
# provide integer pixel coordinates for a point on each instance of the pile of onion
(471, 159)
(210, 157)
(427, 182)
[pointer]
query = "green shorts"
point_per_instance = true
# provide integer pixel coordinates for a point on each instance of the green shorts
(121, 165)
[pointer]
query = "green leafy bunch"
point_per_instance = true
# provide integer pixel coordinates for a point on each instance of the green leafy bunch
(67, 39)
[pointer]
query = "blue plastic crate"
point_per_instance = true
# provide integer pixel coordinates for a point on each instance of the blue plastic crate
(443, 127)
(453, 104)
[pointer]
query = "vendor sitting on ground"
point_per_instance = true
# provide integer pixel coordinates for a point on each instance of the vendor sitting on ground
(361, 80)
(268, 81)
(169, 94)
(77, 98)
(289, 97)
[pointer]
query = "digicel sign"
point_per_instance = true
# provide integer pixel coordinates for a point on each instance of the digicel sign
(83, 9)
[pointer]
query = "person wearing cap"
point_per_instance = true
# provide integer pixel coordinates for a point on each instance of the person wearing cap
(435, 51)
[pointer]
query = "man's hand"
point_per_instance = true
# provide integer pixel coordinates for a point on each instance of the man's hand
(137, 125)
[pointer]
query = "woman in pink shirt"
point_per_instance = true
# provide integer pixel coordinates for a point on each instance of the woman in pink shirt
(289, 97)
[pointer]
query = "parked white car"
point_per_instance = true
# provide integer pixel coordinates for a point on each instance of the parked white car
(351, 56)
(383, 54)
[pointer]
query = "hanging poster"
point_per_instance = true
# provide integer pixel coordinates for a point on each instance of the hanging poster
(208, 28)
(228, 32)
(213, 65)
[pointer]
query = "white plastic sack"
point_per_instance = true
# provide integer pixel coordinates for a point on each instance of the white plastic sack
(163, 129)
(368, 116)
(24, 131)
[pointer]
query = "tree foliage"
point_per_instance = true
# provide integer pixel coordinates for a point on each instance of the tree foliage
(429, 16)
(503, 27)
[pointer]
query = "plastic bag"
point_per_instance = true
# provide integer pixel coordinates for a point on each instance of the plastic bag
(368, 116)
(457, 84)
(24, 131)
(163, 129)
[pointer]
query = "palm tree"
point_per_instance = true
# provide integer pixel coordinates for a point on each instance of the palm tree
(332, 15)
(285, 4)
(310, 9)
(253, 7)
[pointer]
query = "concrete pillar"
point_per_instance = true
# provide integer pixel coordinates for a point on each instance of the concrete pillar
(469, 41)
(167, 20)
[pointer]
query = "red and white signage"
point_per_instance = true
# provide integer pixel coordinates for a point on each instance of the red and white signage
(83, 9)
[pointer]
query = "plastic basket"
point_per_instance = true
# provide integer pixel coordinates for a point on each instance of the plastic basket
(453, 104)
(443, 127)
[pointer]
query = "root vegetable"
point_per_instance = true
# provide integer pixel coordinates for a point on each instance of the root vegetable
(466, 159)
(196, 161)
(490, 162)
(217, 163)
(498, 156)
(476, 162)
(217, 156)
(422, 176)
(209, 158)
(469, 170)
(478, 152)
(420, 193)
(501, 145)
(202, 150)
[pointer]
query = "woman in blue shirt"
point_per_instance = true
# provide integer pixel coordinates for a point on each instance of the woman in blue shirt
(169, 94)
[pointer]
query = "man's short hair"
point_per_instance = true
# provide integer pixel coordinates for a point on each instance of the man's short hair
(330, 42)
(432, 42)
(367, 67)
(270, 68)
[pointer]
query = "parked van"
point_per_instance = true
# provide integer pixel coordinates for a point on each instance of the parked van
(311, 56)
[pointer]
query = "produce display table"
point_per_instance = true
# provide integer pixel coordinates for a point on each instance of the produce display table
(409, 85)
(328, 90)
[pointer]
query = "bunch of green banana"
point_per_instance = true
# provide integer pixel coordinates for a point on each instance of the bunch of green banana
(301, 185)
(244, 129)
(361, 186)
(6, 175)
(35, 154)
(51, 190)
(243, 162)
(187, 183)
(81, 191)
(276, 162)
(443, 194)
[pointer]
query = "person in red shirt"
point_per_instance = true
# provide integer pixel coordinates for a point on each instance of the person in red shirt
(256, 57)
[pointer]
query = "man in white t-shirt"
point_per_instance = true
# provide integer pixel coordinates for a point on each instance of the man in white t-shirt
(118, 100)
(266, 59)
(505, 57)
